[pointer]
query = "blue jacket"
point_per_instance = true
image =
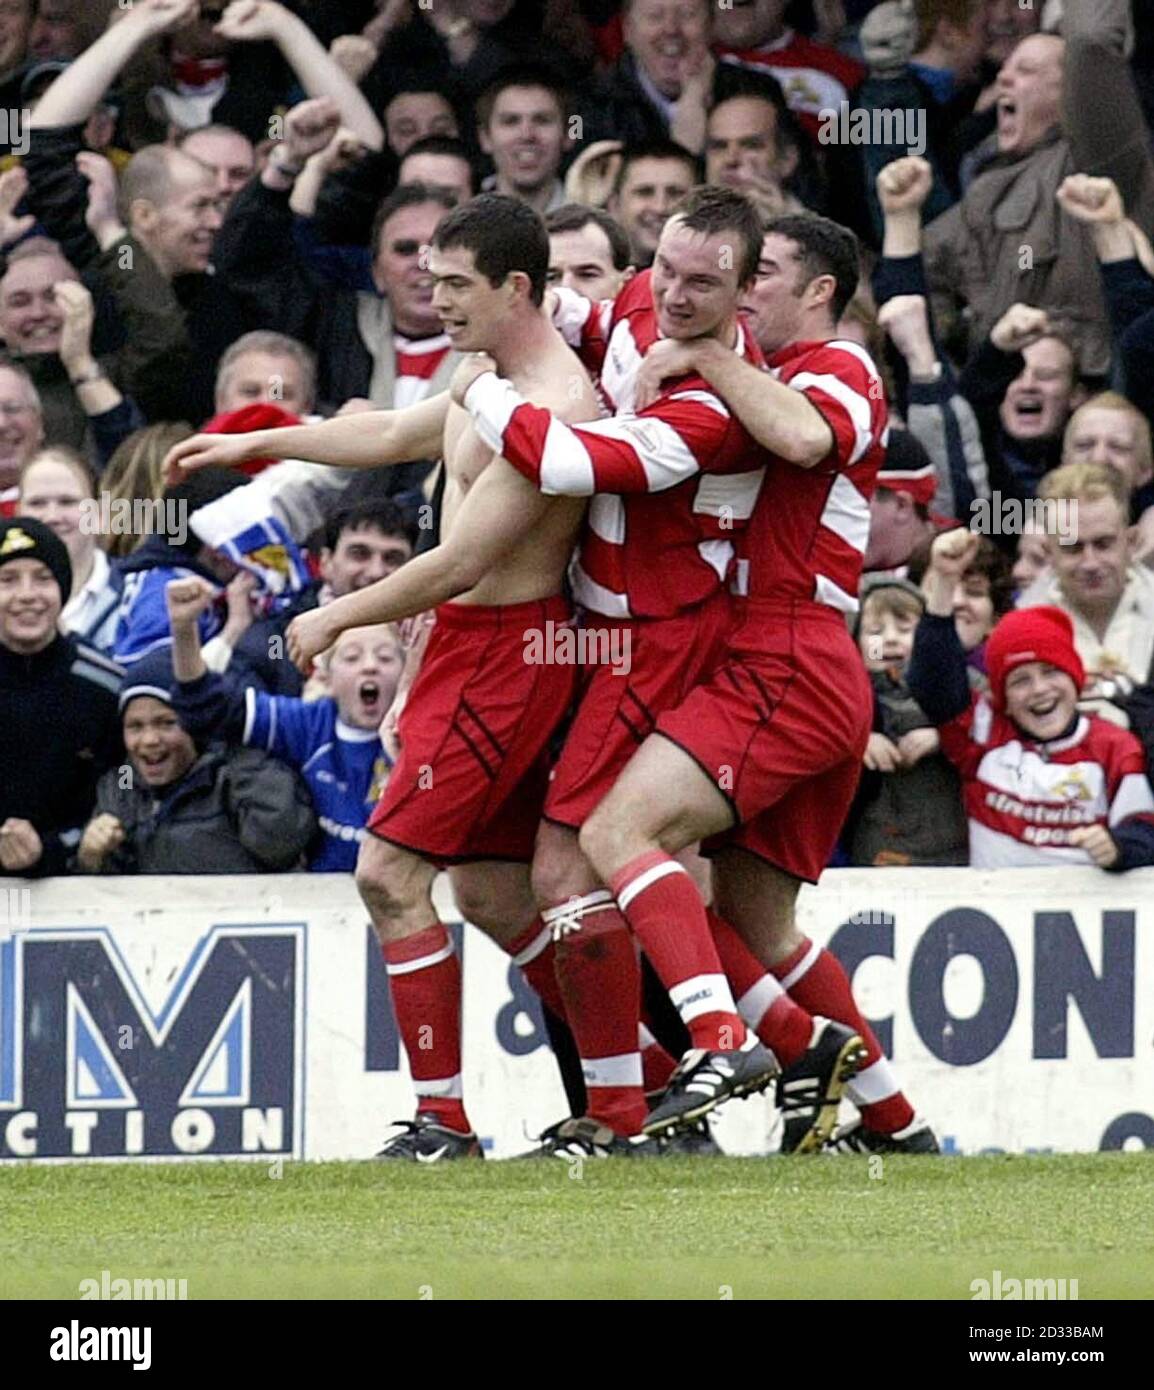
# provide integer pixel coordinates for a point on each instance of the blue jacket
(143, 626)
(345, 768)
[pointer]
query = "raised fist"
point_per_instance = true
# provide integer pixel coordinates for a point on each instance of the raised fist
(309, 127)
(187, 599)
(953, 552)
(1019, 328)
(904, 185)
(1090, 199)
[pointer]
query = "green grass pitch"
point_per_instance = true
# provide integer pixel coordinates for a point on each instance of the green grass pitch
(666, 1228)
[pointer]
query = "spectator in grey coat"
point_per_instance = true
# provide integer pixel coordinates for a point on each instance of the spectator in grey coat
(175, 808)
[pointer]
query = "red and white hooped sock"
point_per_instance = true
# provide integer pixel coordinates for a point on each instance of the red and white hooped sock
(815, 978)
(665, 910)
(781, 1024)
(600, 984)
(536, 953)
(425, 981)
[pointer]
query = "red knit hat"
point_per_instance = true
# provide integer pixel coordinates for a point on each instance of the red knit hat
(261, 415)
(1031, 634)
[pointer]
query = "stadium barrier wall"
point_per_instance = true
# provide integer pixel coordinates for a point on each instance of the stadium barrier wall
(215, 1017)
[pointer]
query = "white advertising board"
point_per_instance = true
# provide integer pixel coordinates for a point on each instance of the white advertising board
(249, 1016)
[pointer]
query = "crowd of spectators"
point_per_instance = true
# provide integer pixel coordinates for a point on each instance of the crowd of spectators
(212, 217)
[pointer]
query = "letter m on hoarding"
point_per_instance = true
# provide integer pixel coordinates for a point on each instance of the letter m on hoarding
(132, 1047)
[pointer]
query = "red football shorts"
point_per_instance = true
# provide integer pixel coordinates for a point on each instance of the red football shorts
(618, 708)
(471, 778)
(781, 728)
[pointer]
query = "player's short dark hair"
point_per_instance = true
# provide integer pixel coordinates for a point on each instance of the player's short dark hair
(655, 149)
(504, 235)
(524, 74)
(408, 195)
(824, 247)
(382, 515)
(711, 209)
(571, 217)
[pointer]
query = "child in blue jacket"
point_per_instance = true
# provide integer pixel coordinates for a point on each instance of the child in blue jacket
(333, 741)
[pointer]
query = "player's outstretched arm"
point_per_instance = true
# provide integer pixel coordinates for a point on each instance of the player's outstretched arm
(678, 439)
(500, 510)
(370, 439)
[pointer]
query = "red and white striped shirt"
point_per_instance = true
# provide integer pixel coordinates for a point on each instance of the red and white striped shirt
(671, 488)
(1024, 798)
(417, 360)
(814, 77)
(807, 536)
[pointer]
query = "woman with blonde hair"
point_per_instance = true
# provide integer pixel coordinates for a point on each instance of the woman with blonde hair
(135, 472)
(54, 486)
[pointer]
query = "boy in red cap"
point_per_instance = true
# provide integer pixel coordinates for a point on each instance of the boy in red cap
(1043, 783)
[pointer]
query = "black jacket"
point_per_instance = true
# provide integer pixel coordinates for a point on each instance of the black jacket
(621, 110)
(59, 731)
(254, 252)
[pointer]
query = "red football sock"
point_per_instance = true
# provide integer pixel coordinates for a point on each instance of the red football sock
(535, 953)
(784, 1027)
(814, 977)
(664, 908)
(425, 979)
(600, 981)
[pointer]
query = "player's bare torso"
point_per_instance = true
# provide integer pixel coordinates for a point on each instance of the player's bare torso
(534, 566)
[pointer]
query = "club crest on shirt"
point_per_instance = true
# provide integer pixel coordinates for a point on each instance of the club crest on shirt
(1073, 786)
(377, 782)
